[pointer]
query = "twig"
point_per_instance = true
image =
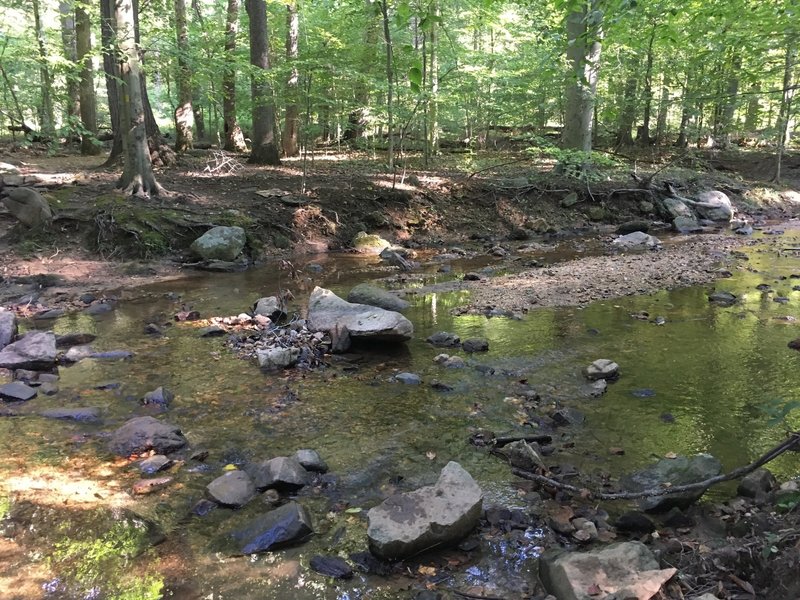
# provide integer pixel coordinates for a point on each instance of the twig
(505, 164)
(794, 440)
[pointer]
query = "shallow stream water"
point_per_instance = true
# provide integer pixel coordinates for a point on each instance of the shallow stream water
(708, 379)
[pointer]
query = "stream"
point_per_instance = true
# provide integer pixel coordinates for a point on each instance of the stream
(709, 379)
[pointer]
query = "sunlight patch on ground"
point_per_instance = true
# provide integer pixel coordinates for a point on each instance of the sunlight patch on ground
(58, 488)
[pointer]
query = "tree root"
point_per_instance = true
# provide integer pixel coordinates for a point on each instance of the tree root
(788, 444)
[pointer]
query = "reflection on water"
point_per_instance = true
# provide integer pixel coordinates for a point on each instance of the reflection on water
(708, 372)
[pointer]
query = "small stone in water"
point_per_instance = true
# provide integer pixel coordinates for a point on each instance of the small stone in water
(148, 486)
(332, 566)
(643, 393)
(16, 391)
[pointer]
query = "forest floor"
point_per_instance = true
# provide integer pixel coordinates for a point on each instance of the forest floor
(101, 241)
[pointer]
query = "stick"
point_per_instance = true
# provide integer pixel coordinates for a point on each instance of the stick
(793, 441)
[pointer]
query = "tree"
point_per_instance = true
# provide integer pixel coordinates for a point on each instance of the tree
(88, 101)
(46, 113)
(289, 139)
(137, 177)
(387, 37)
(264, 150)
(184, 116)
(234, 138)
(584, 33)
(68, 39)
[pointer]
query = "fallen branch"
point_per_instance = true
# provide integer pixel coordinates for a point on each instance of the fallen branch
(504, 164)
(788, 444)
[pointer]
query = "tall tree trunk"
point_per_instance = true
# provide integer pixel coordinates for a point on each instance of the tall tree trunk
(46, 115)
(627, 114)
(137, 177)
(154, 137)
(197, 92)
(234, 138)
(67, 16)
(88, 101)
(584, 34)
(729, 101)
(643, 133)
(433, 127)
(184, 117)
(753, 116)
(264, 151)
(389, 80)
(108, 26)
(289, 140)
(785, 112)
(663, 111)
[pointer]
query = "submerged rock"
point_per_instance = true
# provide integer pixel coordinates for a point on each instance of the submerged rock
(371, 295)
(285, 525)
(722, 298)
(327, 312)
(234, 489)
(475, 345)
(678, 471)
(87, 413)
(602, 368)
(160, 396)
(35, 351)
(444, 339)
(16, 391)
(74, 339)
(626, 570)
(141, 434)
(331, 566)
(405, 524)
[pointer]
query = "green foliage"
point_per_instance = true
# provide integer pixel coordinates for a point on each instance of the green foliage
(573, 163)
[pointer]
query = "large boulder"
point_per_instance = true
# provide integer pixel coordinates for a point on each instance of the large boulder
(676, 207)
(142, 434)
(406, 524)
(234, 489)
(220, 243)
(8, 327)
(35, 351)
(285, 525)
(327, 312)
(714, 206)
(625, 570)
(367, 243)
(673, 471)
(371, 295)
(29, 206)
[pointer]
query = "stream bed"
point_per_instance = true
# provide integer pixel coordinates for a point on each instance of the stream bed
(694, 377)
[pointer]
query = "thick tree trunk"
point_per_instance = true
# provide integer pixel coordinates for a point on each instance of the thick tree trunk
(583, 54)
(627, 115)
(785, 112)
(184, 116)
(727, 107)
(264, 151)
(433, 126)
(389, 80)
(753, 116)
(46, 115)
(137, 178)
(234, 138)
(67, 16)
(111, 69)
(88, 100)
(663, 111)
(289, 140)
(643, 133)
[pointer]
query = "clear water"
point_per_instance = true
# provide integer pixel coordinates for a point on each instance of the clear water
(716, 371)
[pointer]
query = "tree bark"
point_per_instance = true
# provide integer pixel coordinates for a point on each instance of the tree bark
(433, 127)
(289, 139)
(264, 151)
(184, 116)
(643, 133)
(46, 115)
(108, 28)
(137, 177)
(234, 138)
(753, 116)
(88, 100)
(663, 110)
(584, 34)
(68, 35)
(389, 80)
(627, 112)
(785, 112)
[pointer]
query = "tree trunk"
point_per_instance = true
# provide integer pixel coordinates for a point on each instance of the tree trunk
(88, 101)
(663, 111)
(627, 112)
(234, 138)
(289, 140)
(184, 116)
(643, 133)
(67, 16)
(389, 80)
(584, 33)
(785, 112)
(753, 116)
(46, 115)
(108, 27)
(729, 101)
(433, 127)
(264, 151)
(137, 178)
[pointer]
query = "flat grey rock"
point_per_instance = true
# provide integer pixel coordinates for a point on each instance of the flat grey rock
(327, 312)
(36, 351)
(141, 434)
(234, 489)
(88, 414)
(16, 391)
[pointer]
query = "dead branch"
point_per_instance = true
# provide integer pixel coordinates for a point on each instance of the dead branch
(505, 164)
(788, 444)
